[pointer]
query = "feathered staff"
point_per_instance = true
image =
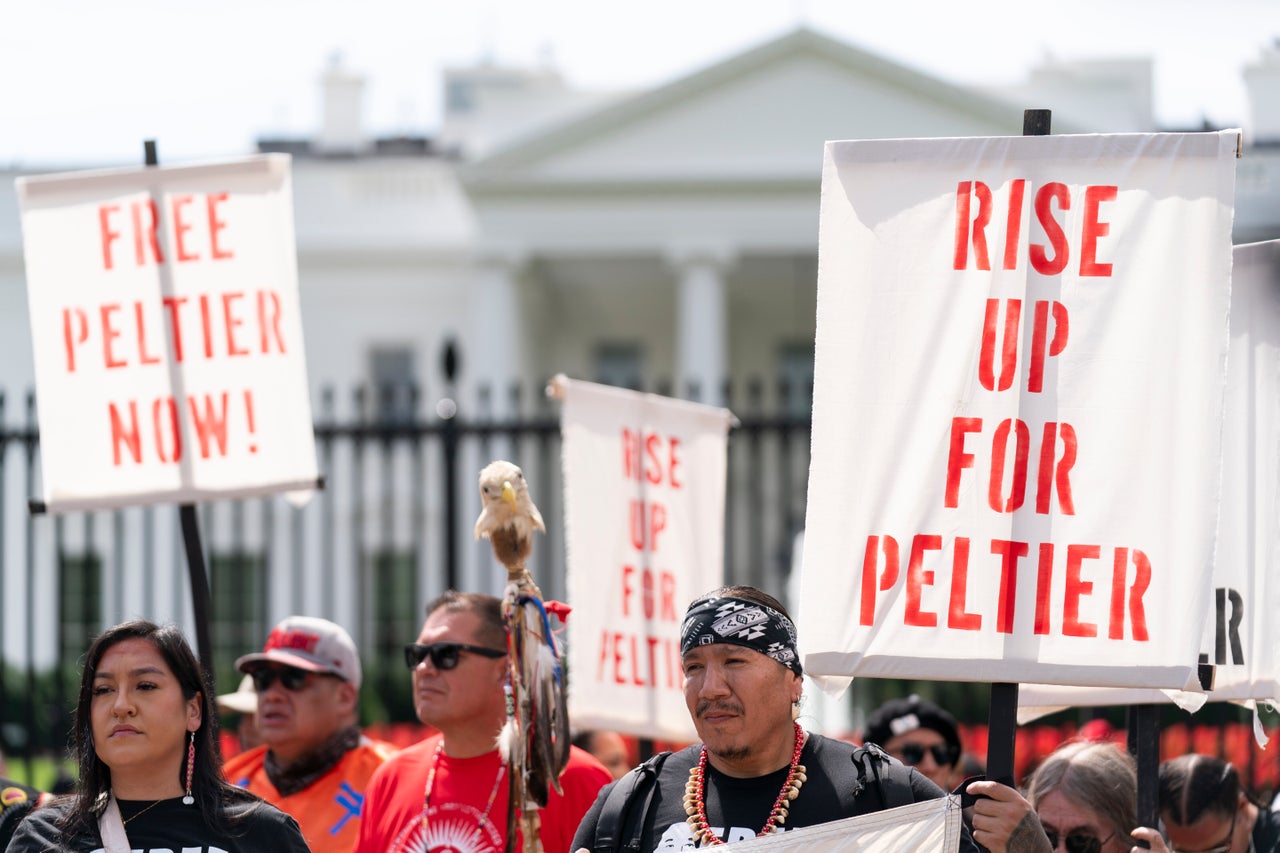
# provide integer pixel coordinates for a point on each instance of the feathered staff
(535, 740)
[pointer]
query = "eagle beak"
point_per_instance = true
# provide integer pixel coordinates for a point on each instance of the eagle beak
(508, 493)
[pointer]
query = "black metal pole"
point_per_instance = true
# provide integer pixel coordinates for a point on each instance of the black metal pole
(196, 570)
(1002, 719)
(1144, 743)
(449, 448)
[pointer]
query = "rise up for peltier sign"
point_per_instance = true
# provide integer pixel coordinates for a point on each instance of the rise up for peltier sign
(1018, 407)
(167, 334)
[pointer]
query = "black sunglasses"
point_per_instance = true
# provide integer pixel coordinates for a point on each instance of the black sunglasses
(444, 656)
(944, 755)
(1077, 842)
(291, 678)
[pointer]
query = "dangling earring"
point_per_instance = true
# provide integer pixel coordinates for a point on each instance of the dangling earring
(191, 769)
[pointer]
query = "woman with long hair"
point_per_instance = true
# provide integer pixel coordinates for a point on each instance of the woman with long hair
(150, 769)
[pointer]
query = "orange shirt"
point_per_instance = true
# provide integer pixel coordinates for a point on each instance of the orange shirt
(329, 809)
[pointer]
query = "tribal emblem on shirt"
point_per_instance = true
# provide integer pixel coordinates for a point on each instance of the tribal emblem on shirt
(451, 828)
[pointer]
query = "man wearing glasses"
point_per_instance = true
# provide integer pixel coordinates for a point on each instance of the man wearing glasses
(314, 762)
(919, 734)
(450, 791)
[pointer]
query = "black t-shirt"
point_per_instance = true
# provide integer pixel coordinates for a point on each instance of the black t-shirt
(743, 804)
(167, 827)
(1266, 832)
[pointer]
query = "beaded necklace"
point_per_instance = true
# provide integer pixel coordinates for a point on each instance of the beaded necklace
(695, 804)
(431, 780)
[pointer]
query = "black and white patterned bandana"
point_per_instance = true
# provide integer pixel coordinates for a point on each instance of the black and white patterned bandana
(724, 619)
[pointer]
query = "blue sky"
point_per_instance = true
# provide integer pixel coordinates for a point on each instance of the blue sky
(85, 82)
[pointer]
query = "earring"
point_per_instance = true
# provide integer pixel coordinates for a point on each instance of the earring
(191, 769)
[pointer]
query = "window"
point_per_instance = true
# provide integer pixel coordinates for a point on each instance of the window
(795, 378)
(79, 602)
(619, 364)
(394, 375)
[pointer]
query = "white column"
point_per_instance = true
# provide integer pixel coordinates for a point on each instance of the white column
(491, 350)
(702, 343)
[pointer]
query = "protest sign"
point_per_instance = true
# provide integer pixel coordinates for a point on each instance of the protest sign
(1240, 638)
(644, 511)
(167, 334)
(1020, 367)
(929, 826)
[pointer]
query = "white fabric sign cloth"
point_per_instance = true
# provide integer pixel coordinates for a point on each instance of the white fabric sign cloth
(1240, 638)
(1020, 368)
(644, 506)
(167, 334)
(930, 825)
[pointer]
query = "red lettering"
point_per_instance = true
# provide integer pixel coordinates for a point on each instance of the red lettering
(181, 228)
(72, 338)
(1009, 553)
(207, 324)
(215, 225)
(957, 617)
(627, 573)
(999, 450)
(232, 323)
(1013, 227)
(209, 424)
(917, 579)
(867, 613)
(109, 334)
(957, 459)
(109, 236)
(653, 466)
(127, 435)
(980, 222)
(172, 303)
(1137, 611)
(1092, 229)
(1049, 476)
(1035, 378)
(145, 235)
(159, 408)
(143, 356)
(1044, 576)
(1042, 263)
(1077, 588)
(269, 327)
(1009, 351)
(673, 463)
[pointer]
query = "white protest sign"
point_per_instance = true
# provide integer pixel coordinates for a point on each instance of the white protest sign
(167, 334)
(644, 511)
(929, 825)
(1020, 368)
(1241, 638)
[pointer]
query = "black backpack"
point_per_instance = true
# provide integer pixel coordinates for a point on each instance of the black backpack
(620, 828)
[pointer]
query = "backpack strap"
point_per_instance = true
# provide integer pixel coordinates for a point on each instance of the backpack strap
(875, 766)
(619, 812)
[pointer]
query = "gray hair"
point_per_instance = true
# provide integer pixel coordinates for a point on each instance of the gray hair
(1098, 776)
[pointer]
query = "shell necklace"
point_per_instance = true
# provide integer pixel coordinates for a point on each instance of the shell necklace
(695, 803)
(431, 780)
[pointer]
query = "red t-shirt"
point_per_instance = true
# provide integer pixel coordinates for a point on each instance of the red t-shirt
(456, 819)
(328, 810)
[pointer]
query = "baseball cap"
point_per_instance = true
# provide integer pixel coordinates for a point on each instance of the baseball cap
(899, 716)
(310, 643)
(243, 701)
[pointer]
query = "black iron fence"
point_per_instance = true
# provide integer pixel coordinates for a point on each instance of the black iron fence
(390, 529)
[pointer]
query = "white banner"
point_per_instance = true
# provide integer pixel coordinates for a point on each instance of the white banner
(930, 826)
(1241, 638)
(644, 509)
(167, 334)
(1020, 368)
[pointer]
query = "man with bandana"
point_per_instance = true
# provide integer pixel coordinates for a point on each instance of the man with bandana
(756, 771)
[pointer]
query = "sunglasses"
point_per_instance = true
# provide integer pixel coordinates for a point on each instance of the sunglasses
(1077, 842)
(444, 656)
(943, 754)
(291, 678)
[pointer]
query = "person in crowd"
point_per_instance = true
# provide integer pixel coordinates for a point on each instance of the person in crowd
(742, 686)
(16, 802)
(920, 734)
(449, 792)
(1205, 809)
(243, 705)
(608, 747)
(1086, 796)
(314, 762)
(150, 770)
